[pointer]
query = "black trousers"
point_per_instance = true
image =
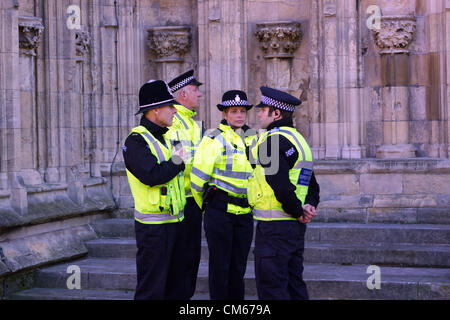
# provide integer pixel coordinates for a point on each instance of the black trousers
(192, 225)
(279, 247)
(229, 239)
(159, 262)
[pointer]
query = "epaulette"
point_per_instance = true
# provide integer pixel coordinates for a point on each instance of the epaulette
(214, 134)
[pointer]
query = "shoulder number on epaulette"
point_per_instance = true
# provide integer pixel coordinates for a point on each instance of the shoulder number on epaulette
(215, 134)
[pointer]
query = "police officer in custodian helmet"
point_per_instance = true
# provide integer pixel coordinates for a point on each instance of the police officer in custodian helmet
(155, 176)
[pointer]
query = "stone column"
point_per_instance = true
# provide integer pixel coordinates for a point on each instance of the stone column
(12, 190)
(279, 40)
(332, 108)
(349, 80)
(55, 86)
(30, 34)
(222, 35)
(393, 40)
(317, 70)
(130, 64)
(169, 45)
(446, 89)
(82, 45)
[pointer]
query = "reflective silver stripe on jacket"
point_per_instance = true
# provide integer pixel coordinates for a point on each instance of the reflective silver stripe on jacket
(301, 164)
(196, 187)
(156, 146)
(225, 185)
(232, 174)
(150, 217)
(228, 150)
(200, 174)
(224, 142)
(304, 164)
(228, 187)
(182, 121)
(271, 214)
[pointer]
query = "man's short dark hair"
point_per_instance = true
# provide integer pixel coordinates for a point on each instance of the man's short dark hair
(284, 114)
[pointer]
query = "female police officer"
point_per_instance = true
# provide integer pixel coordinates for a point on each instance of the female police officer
(219, 179)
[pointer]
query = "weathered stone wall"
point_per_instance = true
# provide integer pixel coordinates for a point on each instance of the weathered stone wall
(408, 90)
(384, 190)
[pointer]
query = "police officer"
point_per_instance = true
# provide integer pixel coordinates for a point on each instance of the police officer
(219, 180)
(185, 130)
(284, 194)
(155, 175)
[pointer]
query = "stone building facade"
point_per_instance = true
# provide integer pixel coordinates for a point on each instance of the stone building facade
(373, 75)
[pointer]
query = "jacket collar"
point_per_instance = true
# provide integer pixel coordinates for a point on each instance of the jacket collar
(281, 123)
(185, 112)
(152, 127)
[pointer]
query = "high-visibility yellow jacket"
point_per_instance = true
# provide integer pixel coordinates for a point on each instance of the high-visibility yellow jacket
(221, 161)
(185, 130)
(158, 204)
(261, 196)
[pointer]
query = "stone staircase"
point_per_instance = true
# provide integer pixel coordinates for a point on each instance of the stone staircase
(414, 261)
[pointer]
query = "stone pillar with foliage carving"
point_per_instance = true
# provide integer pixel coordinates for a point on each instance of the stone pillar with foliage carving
(279, 40)
(395, 34)
(82, 45)
(30, 35)
(169, 45)
(30, 32)
(392, 40)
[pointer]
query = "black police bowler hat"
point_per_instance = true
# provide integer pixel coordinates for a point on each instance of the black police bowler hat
(234, 98)
(183, 80)
(278, 99)
(155, 94)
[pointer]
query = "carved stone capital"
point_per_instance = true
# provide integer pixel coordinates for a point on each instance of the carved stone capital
(169, 43)
(30, 32)
(395, 34)
(82, 44)
(279, 39)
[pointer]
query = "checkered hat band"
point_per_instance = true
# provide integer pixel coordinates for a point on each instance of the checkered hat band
(230, 103)
(278, 104)
(181, 84)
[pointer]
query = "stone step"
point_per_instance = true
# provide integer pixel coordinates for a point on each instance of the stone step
(87, 294)
(112, 248)
(325, 281)
(384, 215)
(96, 273)
(98, 294)
(416, 255)
(362, 215)
(114, 228)
(331, 281)
(65, 294)
(378, 233)
(324, 232)
(404, 255)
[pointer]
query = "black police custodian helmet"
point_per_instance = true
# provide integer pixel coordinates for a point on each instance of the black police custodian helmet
(183, 80)
(155, 94)
(278, 99)
(234, 98)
